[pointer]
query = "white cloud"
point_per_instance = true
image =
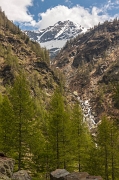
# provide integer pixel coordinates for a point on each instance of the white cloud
(78, 14)
(42, 0)
(17, 10)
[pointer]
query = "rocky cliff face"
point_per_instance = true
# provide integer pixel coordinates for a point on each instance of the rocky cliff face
(90, 64)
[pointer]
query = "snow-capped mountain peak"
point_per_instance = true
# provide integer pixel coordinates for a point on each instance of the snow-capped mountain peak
(54, 37)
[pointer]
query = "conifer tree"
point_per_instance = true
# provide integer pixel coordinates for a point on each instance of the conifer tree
(46, 56)
(23, 114)
(57, 132)
(37, 143)
(108, 143)
(94, 162)
(103, 142)
(81, 139)
(116, 95)
(6, 126)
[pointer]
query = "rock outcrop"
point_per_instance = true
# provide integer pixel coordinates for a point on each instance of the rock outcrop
(62, 174)
(21, 175)
(7, 168)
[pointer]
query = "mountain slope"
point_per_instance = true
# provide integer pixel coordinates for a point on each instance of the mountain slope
(90, 64)
(18, 53)
(55, 37)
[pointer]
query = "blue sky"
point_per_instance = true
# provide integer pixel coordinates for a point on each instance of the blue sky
(39, 14)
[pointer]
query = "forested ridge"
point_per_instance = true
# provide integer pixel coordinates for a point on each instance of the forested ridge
(39, 128)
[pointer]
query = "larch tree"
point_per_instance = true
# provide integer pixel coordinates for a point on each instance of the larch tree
(23, 114)
(6, 126)
(81, 139)
(77, 130)
(108, 144)
(57, 131)
(37, 143)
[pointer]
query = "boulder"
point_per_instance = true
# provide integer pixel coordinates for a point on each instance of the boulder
(58, 174)
(6, 167)
(94, 178)
(82, 176)
(77, 176)
(62, 174)
(21, 175)
(4, 177)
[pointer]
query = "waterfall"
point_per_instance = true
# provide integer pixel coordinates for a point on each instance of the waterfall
(87, 111)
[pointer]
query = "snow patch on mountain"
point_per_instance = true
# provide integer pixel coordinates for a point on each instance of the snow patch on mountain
(60, 32)
(53, 44)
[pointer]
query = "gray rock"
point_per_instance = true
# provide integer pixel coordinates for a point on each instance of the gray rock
(62, 174)
(4, 177)
(6, 167)
(21, 175)
(58, 174)
(82, 176)
(77, 176)
(94, 178)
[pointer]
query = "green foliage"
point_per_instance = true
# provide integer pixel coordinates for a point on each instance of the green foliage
(81, 139)
(108, 141)
(46, 56)
(2, 50)
(104, 159)
(36, 48)
(17, 133)
(42, 140)
(57, 132)
(37, 143)
(6, 126)
(100, 97)
(94, 162)
(11, 60)
(116, 96)
(27, 40)
(40, 52)
(7, 24)
(23, 114)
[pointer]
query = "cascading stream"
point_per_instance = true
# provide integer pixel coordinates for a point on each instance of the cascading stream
(87, 113)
